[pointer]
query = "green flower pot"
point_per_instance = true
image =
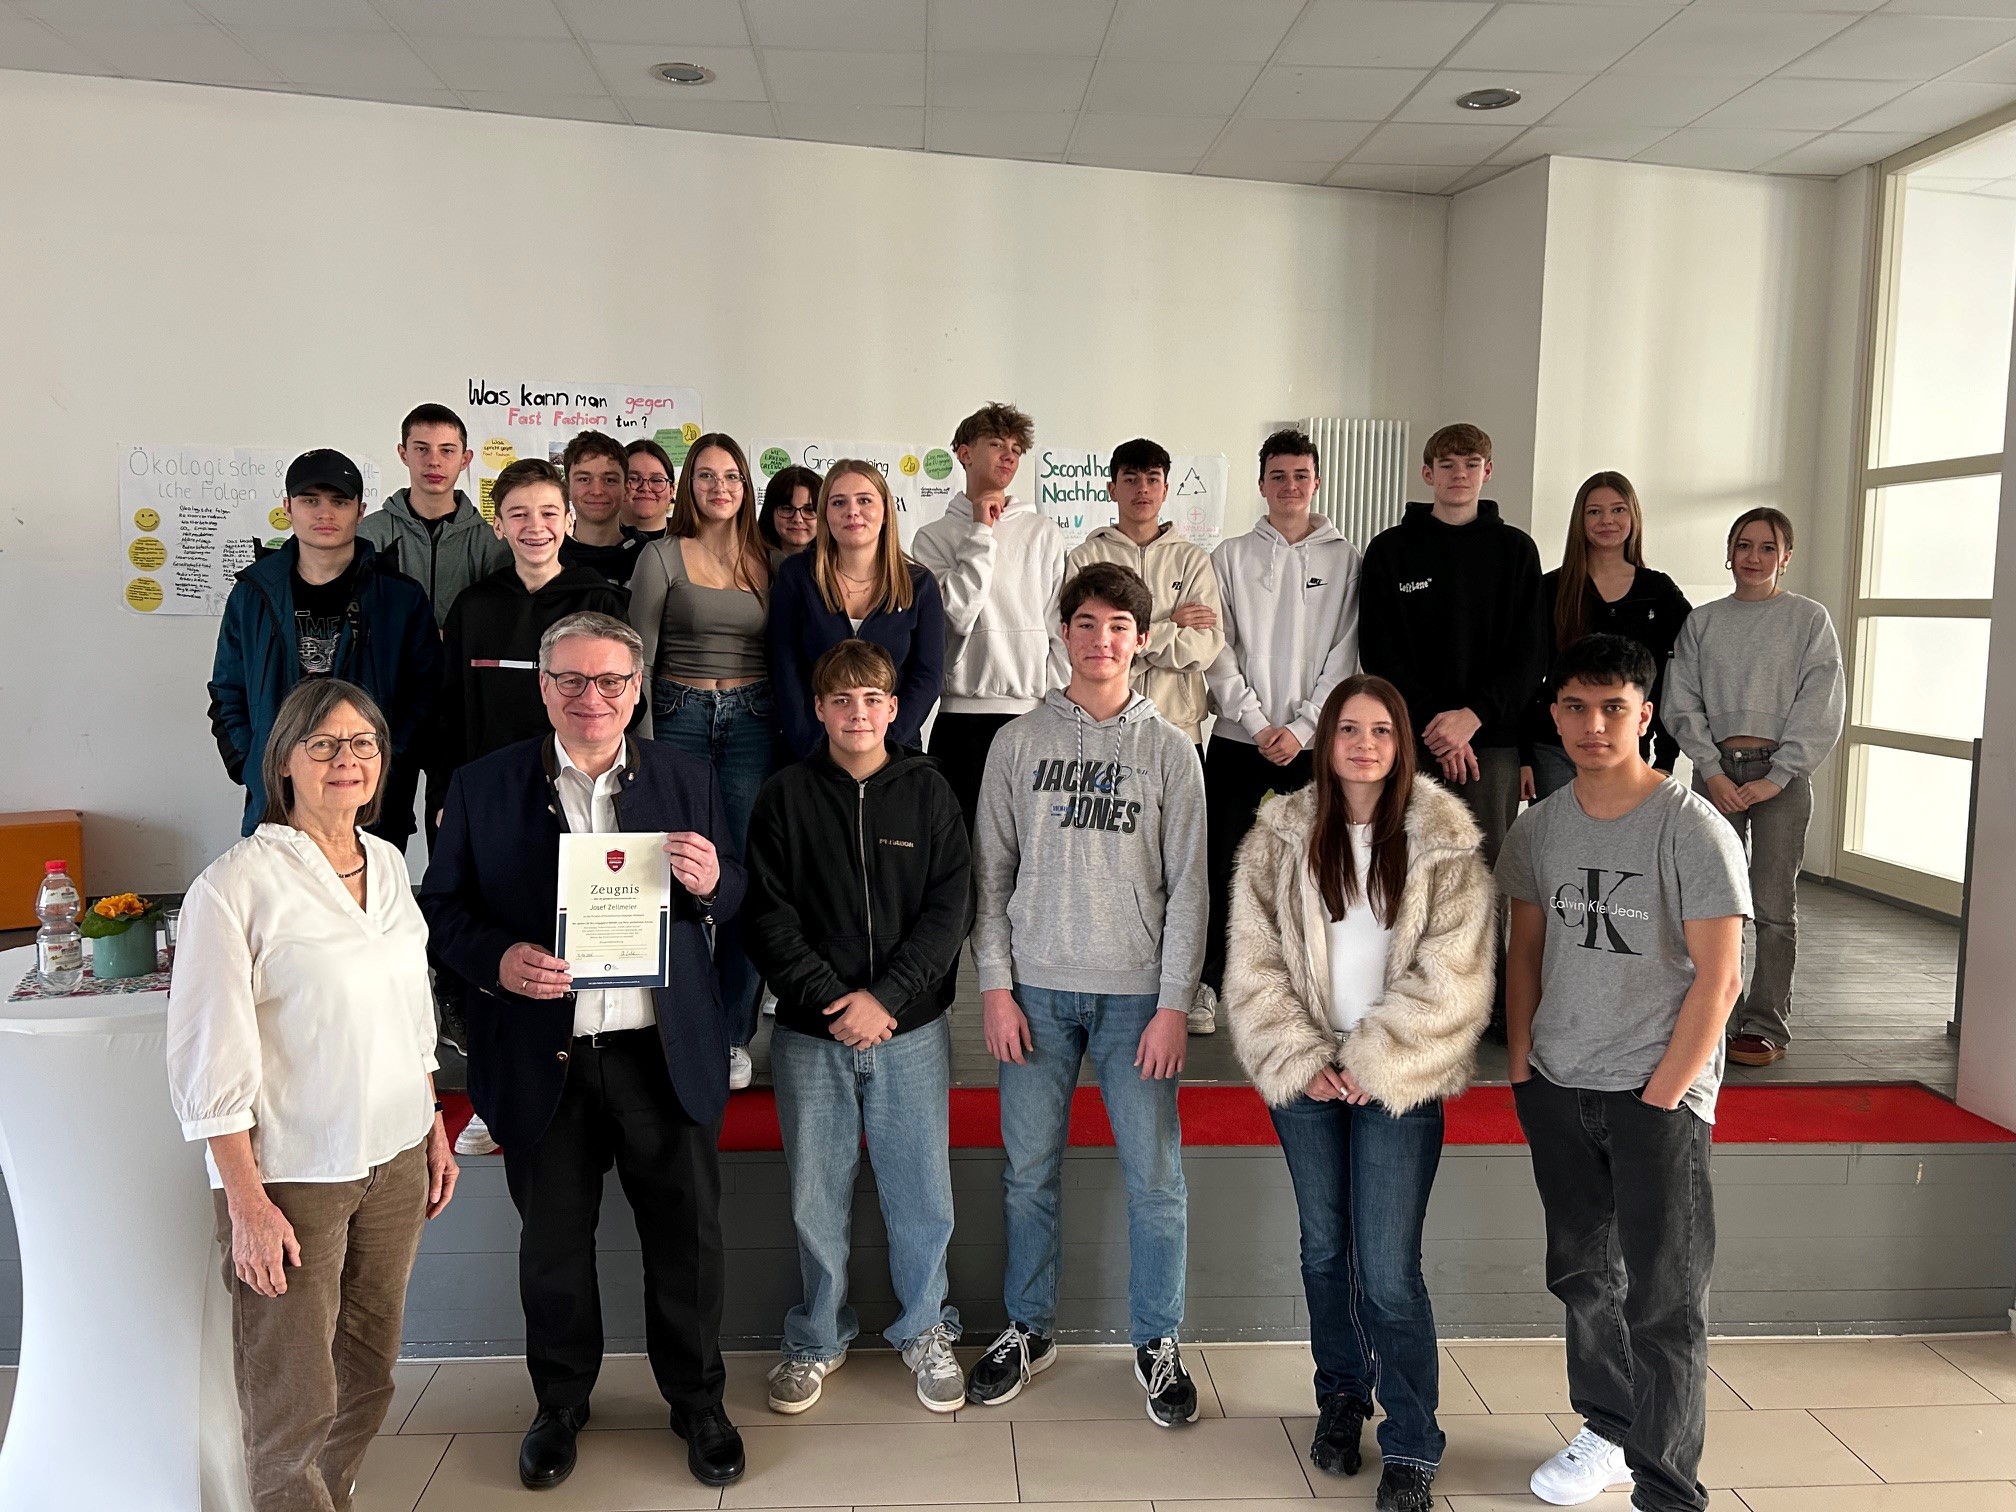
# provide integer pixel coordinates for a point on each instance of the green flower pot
(129, 953)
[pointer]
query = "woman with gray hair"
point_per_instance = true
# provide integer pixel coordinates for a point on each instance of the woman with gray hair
(301, 1047)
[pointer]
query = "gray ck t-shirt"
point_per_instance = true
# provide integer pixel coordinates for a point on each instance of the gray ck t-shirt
(1614, 967)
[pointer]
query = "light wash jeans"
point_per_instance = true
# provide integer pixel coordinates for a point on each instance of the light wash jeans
(897, 1094)
(1035, 1128)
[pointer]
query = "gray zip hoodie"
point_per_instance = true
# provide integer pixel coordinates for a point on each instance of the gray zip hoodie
(1089, 854)
(465, 550)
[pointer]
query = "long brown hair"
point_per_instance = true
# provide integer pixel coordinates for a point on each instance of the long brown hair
(1571, 598)
(1330, 858)
(891, 565)
(754, 572)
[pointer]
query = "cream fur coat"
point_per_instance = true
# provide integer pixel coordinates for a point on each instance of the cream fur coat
(1418, 1043)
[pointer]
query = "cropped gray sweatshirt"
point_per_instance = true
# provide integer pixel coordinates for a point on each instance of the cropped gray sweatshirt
(1765, 667)
(1089, 854)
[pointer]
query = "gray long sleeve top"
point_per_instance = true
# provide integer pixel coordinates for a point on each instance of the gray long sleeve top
(1765, 667)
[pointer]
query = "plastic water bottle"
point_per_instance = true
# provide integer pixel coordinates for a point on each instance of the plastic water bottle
(59, 948)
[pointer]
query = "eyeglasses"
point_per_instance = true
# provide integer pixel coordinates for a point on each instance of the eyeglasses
(810, 511)
(733, 479)
(651, 485)
(574, 684)
(364, 747)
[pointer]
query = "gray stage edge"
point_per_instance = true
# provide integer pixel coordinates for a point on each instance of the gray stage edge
(1815, 1239)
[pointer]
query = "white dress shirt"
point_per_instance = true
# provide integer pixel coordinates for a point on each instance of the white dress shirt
(298, 1015)
(590, 806)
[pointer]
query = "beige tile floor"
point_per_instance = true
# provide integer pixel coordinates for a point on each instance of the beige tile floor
(1811, 1425)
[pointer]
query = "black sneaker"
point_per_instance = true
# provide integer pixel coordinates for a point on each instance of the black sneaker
(1172, 1395)
(1404, 1488)
(1340, 1420)
(999, 1375)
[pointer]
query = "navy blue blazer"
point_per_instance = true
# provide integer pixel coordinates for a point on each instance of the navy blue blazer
(492, 881)
(803, 629)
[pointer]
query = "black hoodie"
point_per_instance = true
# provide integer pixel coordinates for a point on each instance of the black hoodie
(1651, 612)
(1449, 615)
(490, 650)
(858, 884)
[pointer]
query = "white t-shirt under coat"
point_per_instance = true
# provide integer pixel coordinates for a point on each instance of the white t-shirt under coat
(1358, 947)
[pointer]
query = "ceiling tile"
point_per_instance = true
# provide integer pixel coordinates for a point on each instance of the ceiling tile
(1729, 44)
(860, 125)
(1903, 47)
(1380, 33)
(383, 94)
(1200, 31)
(1723, 147)
(555, 106)
(844, 78)
(1331, 94)
(68, 14)
(31, 45)
(1478, 177)
(1539, 94)
(1063, 28)
(688, 23)
(301, 15)
(532, 64)
(1802, 104)
(1568, 38)
(1841, 151)
(1107, 136)
(1952, 7)
(1000, 133)
(1267, 170)
(1444, 146)
(733, 117)
(342, 60)
(1170, 88)
(181, 54)
(626, 69)
(1579, 141)
(839, 25)
(1008, 81)
(1140, 162)
(1304, 140)
(1996, 67)
(1932, 108)
(1404, 180)
(1790, 5)
(450, 18)
(1669, 102)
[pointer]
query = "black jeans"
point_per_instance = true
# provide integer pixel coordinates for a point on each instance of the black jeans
(1493, 801)
(1236, 778)
(959, 744)
(1630, 1244)
(618, 1107)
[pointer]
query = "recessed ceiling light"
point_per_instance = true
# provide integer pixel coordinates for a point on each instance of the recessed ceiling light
(693, 73)
(1488, 99)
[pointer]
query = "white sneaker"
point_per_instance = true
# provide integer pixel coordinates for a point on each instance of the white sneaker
(941, 1384)
(769, 1004)
(795, 1385)
(475, 1139)
(1203, 1014)
(741, 1069)
(1581, 1472)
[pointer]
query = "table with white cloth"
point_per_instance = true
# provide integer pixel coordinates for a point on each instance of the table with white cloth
(125, 1397)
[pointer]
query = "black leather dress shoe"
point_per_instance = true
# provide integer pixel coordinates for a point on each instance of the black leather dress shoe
(546, 1457)
(713, 1447)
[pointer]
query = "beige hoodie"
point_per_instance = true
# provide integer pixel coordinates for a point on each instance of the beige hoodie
(1170, 673)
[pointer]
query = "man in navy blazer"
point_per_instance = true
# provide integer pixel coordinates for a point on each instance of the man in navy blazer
(573, 1082)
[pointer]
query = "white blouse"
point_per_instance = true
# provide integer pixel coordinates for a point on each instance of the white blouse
(298, 1015)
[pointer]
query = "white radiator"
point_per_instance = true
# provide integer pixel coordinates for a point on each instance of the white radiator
(1368, 468)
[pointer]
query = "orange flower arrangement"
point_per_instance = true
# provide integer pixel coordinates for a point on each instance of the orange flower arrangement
(116, 914)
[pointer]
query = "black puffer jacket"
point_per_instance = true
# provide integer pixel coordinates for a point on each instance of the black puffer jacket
(858, 884)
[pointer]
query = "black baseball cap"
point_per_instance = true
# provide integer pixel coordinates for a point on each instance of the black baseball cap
(324, 468)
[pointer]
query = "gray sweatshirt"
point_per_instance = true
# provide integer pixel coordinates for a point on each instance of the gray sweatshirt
(1765, 667)
(464, 550)
(1089, 854)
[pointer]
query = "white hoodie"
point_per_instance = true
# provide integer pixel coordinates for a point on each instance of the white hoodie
(1291, 629)
(1000, 586)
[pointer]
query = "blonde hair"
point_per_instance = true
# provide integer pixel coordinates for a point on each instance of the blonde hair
(892, 566)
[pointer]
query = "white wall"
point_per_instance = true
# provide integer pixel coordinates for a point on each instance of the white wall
(202, 265)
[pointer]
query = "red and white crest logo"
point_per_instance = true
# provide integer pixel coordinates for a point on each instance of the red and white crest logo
(615, 858)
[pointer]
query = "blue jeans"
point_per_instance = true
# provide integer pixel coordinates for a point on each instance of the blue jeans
(1036, 1126)
(896, 1094)
(734, 730)
(1362, 1178)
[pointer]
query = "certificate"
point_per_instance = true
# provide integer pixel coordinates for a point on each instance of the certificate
(614, 918)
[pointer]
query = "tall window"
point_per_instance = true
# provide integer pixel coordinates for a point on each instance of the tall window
(1932, 487)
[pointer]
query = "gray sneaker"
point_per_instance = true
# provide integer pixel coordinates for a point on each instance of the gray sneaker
(941, 1384)
(796, 1384)
(1203, 1012)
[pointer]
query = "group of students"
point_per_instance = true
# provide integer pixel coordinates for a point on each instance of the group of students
(1322, 872)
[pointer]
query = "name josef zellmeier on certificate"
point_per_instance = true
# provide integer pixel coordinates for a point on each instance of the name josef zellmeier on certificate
(614, 923)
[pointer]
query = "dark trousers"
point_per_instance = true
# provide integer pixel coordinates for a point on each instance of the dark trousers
(959, 744)
(1630, 1244)
(1362, 1178)
(394, 823)
(1493, 801)
(618, 1107)
(1236, 778)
